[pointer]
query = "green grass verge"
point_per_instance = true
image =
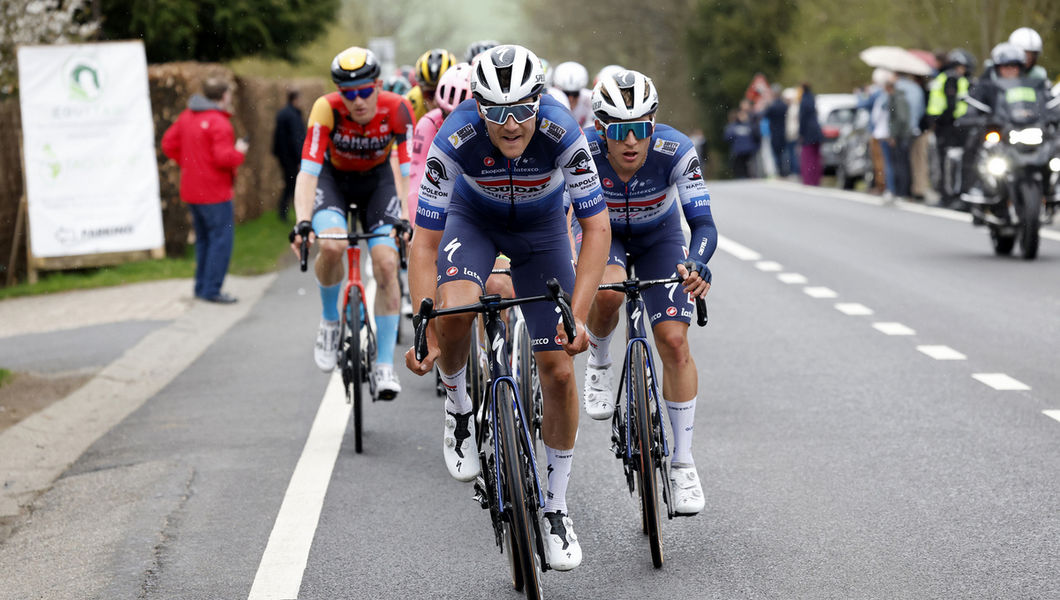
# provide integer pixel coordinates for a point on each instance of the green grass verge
(259, 246)
(5, 376)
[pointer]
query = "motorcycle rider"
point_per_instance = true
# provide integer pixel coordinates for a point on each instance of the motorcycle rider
(945, 106)
(1030, 42)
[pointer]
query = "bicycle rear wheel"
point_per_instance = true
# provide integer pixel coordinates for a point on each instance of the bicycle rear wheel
(516, 475)
(352, 375)
(645, 449)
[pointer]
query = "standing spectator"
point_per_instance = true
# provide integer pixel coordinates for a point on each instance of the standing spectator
(880, 123)
(917, 149)
(791, 130)
(810, 137)
(743, 138)
(901, 127)
(203, 143)
(287, 147)
(776, 113)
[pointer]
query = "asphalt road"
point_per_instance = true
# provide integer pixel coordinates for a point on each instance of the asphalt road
(838, 461)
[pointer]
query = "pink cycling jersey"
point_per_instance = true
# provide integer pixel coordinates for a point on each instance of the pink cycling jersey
(422, 137)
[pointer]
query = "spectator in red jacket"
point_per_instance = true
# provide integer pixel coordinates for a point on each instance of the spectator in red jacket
(203, 143)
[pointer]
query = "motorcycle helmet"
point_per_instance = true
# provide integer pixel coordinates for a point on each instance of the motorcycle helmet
(1006, 53)
(960, 56)
(1026, 39)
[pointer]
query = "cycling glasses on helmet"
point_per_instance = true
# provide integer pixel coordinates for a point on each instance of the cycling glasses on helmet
(362, 92)
(520, 112)
(640, 129)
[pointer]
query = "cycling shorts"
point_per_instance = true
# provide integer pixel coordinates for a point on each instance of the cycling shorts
(371, 193)
(654, 255)
(469, 248)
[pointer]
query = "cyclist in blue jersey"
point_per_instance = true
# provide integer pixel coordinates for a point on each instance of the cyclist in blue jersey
(494, 181)
(647, 170)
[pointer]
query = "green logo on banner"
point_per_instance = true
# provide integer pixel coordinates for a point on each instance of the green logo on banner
(84, 77)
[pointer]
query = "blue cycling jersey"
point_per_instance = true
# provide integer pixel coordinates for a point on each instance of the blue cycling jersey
(670, 172)
(463, 168)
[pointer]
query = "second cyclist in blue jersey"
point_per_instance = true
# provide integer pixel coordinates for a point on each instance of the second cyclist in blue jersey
(651, 176)
(493, 182)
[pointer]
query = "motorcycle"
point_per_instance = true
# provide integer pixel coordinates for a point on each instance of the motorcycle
(1018, 166)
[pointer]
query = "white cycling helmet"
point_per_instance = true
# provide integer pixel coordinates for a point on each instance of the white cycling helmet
(507, 74)
(610, 105)
(570, 77)
(453, 87)
(608, 70)
(1026, 39)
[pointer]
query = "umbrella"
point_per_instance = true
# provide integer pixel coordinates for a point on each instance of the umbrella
(895, 59)
(926, 56)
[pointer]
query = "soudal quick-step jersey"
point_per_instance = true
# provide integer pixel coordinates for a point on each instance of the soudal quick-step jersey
(463, 168)
(333, 135)
(670, 173)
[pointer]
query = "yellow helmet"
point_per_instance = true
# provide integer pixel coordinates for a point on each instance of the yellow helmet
(431, 66)
(354, 65)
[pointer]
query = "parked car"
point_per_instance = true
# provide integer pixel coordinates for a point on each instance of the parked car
(833, 112)
(853, 157)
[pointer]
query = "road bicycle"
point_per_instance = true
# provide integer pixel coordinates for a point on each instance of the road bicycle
(638, 436)
(357, 341)
(508, 486)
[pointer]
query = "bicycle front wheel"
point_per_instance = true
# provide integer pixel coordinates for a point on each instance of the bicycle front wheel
(516, 475)
(476, 373)
(647, 466)
(350, 343)
(525, 370)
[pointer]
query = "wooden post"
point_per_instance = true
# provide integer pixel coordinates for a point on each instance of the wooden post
(20, 218)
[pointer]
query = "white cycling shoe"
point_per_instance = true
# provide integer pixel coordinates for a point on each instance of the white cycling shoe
(688, 493)
(458, 446)
(561, 543)
(326, 349)
(387, 386)
(599, 399)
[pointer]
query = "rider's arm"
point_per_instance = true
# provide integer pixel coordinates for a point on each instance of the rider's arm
(695, 203)
(403, 127)
(589, 208)
(435, 191)
(314, 151)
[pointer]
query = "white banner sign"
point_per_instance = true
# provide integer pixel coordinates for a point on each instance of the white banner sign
(89, 146)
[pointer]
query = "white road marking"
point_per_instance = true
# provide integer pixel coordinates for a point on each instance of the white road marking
(891, 328)
(1055, 414)
(768, 266)
(853, 309)
(820, 292)
(738, 250)
(792, 278)
(1000, 381)
(941, 352)
(279, 575)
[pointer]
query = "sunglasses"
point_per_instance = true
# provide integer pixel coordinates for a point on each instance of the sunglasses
(640, 129)
(500, 114)
(361, 92)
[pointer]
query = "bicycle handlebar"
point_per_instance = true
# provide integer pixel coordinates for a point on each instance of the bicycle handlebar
(628, 286)
(487, 303)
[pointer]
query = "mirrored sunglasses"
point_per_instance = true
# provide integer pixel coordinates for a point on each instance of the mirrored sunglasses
(360, 92)
(640, 129)
(500, 114)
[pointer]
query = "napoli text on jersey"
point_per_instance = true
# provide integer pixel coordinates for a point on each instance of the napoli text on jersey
(465, 170)
(671, 172)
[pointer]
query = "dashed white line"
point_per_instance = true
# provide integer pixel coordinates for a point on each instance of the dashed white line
(279, 575)
(853, 309)
(820, 292)
(738, 250)
(941, 352)
(891, 328)
(1054, 414)
(792, 278)
(1000, 381)
(768, 266)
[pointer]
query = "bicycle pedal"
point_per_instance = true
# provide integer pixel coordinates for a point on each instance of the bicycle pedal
(480, 495)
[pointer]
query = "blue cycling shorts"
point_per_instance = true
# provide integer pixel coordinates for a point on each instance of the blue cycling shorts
(654, 255)
(469, 248)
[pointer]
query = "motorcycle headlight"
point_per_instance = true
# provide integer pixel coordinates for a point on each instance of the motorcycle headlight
(996, 166)
(1032, 136)
(992, 138)
(1054, 165)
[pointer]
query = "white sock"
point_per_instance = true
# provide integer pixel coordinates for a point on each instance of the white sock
(559, 462)
(456, 399)
(682, 421)
(599, 349)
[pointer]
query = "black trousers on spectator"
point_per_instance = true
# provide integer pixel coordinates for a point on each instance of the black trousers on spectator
(900, 164)
(741, 165)
(287, 196)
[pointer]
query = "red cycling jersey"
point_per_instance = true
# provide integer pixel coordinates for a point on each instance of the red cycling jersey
(333, 134)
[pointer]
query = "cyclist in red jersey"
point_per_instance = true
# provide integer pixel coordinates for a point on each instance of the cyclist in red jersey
(345, 161)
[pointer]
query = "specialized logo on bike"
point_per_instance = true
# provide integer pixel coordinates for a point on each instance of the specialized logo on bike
(552, 130)
(435, 172)
(692, 170)
(462, 135)
(580, 163)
